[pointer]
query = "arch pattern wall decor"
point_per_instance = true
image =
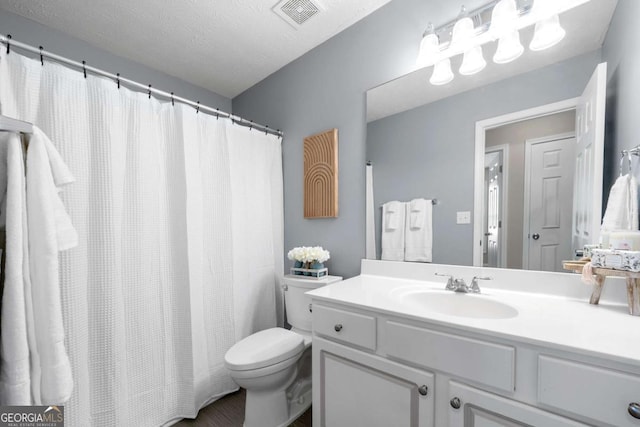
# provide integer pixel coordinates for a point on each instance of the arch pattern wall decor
(321, 175)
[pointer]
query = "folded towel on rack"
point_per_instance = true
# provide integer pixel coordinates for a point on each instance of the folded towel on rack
(393, 231)
(419, 231)
(48, 234)
(393, 213)
(622, 206)
(15, 378)
(417, 209)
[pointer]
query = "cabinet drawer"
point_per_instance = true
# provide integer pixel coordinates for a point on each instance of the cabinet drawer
(340, 325)
(596, 393)
(479, 361)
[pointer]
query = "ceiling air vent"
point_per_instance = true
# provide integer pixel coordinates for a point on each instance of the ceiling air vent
(297, 12)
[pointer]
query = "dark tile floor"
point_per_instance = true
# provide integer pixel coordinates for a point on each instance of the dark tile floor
(229, 412)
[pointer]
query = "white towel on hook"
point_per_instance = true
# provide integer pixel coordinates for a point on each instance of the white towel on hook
(393, 229)
(419, 231)
(15, 377)
(622, 206)
(50, 231)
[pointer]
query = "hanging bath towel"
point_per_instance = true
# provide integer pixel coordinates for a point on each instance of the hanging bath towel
(622, 206)
(50, 231)
(15, 378)
(419, 231)
(393, 219)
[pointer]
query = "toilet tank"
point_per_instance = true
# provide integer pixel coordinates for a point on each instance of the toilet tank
(297, 304)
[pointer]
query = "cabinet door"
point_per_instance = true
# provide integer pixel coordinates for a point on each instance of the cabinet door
(353, 389)
(476, 408)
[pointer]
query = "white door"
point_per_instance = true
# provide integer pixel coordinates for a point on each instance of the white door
(589, 154)
(549, 167)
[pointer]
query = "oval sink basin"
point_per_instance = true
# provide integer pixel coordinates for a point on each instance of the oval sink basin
(459, 304)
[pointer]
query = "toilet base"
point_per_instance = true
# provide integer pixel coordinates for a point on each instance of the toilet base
(272, 409)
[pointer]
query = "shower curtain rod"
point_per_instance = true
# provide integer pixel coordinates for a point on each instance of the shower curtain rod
(9, 42)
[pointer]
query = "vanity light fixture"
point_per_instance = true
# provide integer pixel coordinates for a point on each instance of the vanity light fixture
(462, 39)
(429, 48)
(499, 20)
(442, 73)
(503, 19)
(548, 31)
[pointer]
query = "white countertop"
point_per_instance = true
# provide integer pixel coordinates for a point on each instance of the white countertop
(556, 321)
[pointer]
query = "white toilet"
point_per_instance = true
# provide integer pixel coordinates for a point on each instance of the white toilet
(274, 365)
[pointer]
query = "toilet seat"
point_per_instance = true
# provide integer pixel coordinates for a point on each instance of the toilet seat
(263, 349)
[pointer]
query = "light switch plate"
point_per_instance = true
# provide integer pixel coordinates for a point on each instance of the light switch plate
(464, 217)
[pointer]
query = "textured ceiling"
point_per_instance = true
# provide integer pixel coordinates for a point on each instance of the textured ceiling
(224, 46)
(586, 28)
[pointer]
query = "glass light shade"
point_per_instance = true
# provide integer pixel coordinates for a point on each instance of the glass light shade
(472, 62)
(462, 34)
(548, 33)
(509, 48)
(503, 17)
(429, 48)
(442, 73)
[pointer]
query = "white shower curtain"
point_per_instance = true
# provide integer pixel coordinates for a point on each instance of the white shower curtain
(180, 223)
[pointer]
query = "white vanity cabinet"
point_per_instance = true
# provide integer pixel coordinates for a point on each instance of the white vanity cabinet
(379, 369)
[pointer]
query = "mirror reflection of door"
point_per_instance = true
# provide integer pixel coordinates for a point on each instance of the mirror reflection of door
(549, 172)
(515, 223)
(494, 207)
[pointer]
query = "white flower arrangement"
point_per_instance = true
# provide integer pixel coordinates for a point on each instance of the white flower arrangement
(307, 254)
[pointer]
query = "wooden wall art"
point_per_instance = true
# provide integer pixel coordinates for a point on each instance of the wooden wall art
(321, 175)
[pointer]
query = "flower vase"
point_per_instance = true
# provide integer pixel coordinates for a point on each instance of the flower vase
(317, 266)
(297, 264)
(307, 265)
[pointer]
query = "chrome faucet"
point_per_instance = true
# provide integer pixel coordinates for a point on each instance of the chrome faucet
(459, 285)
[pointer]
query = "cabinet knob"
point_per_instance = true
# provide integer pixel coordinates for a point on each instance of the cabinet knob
(634, 410)
(338, 327)
(455, 403)
(310, 309)
(423, 389)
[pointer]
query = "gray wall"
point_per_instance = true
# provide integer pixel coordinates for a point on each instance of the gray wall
(36, 34)
(621, 50)
(515, 136)
(429, 151)
(326, 88)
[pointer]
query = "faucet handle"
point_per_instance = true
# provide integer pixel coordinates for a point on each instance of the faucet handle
(474, 283)
(450, 284)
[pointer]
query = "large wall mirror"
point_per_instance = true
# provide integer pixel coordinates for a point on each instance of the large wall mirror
(493, 143)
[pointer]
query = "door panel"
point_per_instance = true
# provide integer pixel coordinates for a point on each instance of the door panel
(551, 164)
(589, 154)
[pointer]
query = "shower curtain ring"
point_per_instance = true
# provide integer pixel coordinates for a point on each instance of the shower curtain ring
(149, 92)
(118, 80)
(251, 125)
(9, 43)
(198, 107)
(84, 68)
(266, 129)
(172, 103)
(217, 113)
(41, 57)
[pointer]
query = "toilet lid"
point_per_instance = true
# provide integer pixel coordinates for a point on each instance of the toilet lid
(263, 348)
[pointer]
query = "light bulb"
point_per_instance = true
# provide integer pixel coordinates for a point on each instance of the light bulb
(509, 48)
(473, 62)
(548, 32)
